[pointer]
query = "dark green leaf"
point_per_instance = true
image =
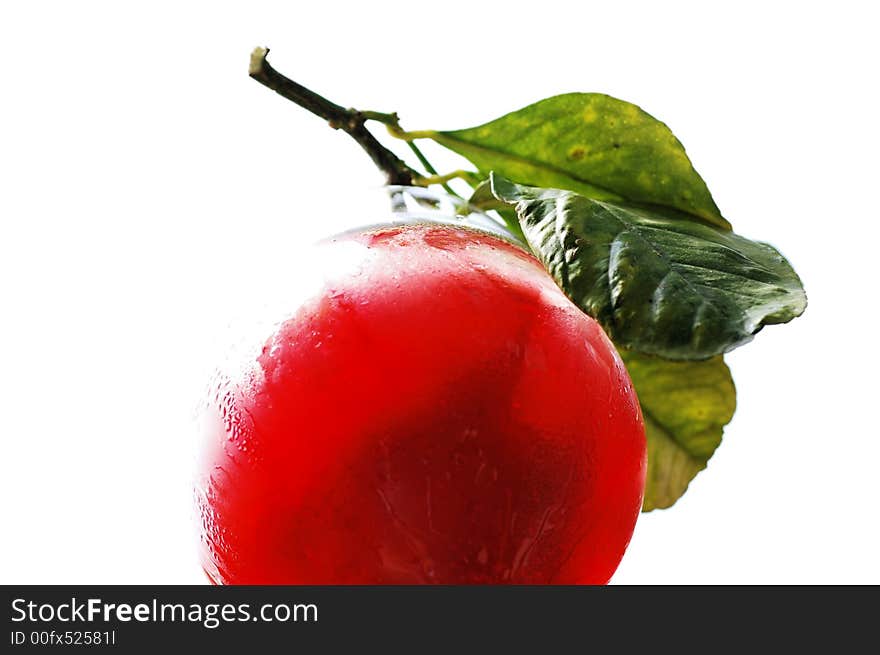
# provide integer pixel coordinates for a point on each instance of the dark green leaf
(482, 198)
(591, 143)
(658, 282)
(685, 406)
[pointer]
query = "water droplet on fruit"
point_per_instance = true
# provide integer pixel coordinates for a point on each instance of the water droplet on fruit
(483, 556)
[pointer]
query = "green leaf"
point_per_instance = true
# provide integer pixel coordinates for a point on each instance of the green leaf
(591, 143)
(685, 405)
(482, 198)
(656, 281)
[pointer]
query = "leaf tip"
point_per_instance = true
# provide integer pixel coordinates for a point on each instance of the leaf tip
(504, 189)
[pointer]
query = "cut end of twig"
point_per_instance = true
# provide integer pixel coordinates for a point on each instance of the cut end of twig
(258, 58)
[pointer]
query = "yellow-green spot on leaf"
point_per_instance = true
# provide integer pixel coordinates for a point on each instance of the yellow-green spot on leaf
(646, 180)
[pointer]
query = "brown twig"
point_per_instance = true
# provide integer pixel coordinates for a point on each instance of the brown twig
(350, 121)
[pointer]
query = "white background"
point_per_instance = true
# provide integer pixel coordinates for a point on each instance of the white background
(149, 191)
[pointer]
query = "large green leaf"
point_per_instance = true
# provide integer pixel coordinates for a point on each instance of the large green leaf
(686, 405)
(658, 282)
(590, 143)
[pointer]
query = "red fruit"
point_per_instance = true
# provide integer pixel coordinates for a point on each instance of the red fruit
(440, 414)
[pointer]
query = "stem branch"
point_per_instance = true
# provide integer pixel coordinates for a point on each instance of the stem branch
(428, 167)
(350, 121)
(443, 179)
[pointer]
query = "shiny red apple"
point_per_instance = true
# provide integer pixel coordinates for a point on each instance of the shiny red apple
(438, 413)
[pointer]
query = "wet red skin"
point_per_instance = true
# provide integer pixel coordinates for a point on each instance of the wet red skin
(442, 414)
